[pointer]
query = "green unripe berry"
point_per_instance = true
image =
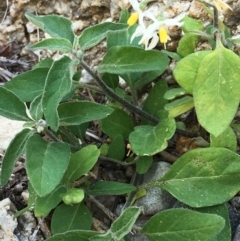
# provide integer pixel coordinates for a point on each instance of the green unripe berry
(67, 199)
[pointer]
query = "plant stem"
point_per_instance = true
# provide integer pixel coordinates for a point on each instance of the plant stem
(109, 92)
(103, 158)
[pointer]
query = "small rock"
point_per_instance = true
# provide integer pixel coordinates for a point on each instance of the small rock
(156, 199)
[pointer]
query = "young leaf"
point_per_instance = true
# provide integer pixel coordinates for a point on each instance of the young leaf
(187, 44)
(53, 44)
(81, 162)
(11, 106)
(143, 164)
(27, 86)
(117, 148)
(179, 106)
(227, 139)
(36, 110)
(46, 162)
(43, 205)
(183, 225)
(203, 177)
(14, 151)
(123, 225)
(216, 89)
(66, 218)
(185, 72)
(191, 24)
(129, 59)
(55, 26)
(93, 35)
(174, 93)
(58, 84)
(118, 123)
(149, 140)
(110, 188)
(76, 113)
(79, 235)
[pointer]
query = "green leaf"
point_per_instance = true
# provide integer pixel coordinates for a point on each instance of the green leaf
(53, 44)
(66, 218)
(124, 15)
(179, 106)
(29, 85)
(210, 175)
(128, 59)
(58, 84)
(143, 164)
(36, 110)
(110, 188)
(102, 237)
(172, 55)
(46, 163)
(76, 113)
(11, 106)
(55, 26)
(227, 139)
(216, 89)
(43, 205)
(187, 44)
(44, 63)
(81, 162)
(14, 151)
(93, 35)
(155, 100)
(78, 235)
(111, 80)
(222, 211)
(146, 78)
(191, 24)
(118, 123)
(182, 225)
(185, 72)
(117, 148)
(174, 93)
(123, 225)
(122, 38)
(149, 140)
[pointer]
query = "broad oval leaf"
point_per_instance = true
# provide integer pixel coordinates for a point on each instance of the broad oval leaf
(118, 123)
(129, 59)
(221, 210)
(117, 148)
(43, 205)
(53, 44)
(55, 26)
(46, 163)
(11, 106)
(216, 89)
(81, 162)
(95, 34)
(143, 164)
(185, 72)
(58, 84)
(27, 86)
(187, 44)
(110, 188)
(148, 140)
(203, 177)
(76, 113)
(66, 218)
(183, 225)
(14, 151)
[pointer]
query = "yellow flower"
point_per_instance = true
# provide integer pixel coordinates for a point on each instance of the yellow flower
(133, 19)
(163, 35)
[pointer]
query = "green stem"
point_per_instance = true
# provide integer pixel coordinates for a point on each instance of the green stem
(107, 159)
